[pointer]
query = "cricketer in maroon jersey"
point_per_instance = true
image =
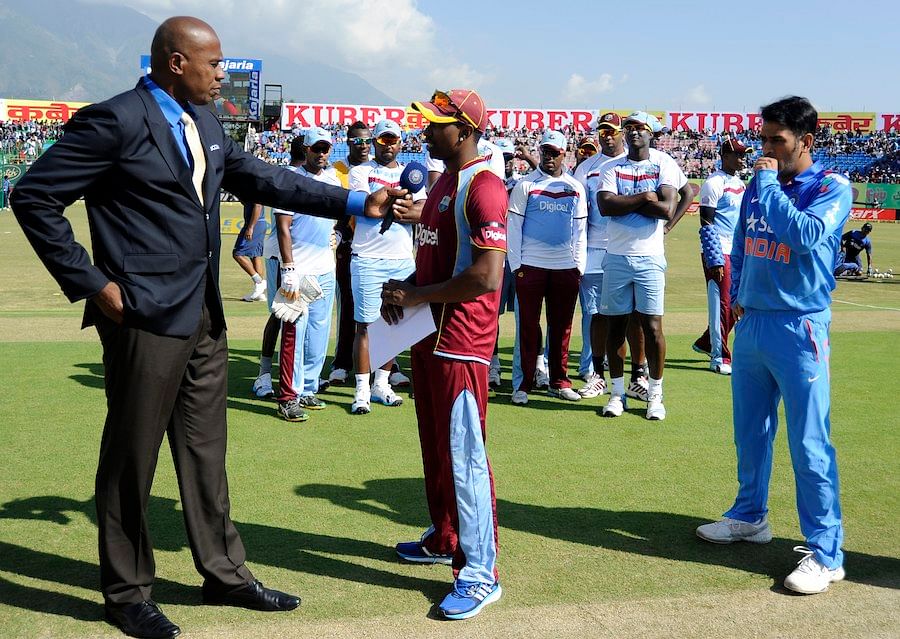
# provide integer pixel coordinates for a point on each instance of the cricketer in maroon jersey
(459, 269)
(448, 233)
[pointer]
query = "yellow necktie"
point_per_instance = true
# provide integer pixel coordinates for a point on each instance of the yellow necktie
(192, 135)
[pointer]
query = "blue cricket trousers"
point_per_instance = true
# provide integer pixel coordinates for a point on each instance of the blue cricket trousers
(785, 355)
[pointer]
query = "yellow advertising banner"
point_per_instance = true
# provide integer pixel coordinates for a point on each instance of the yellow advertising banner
(15, 110)
(849, 121)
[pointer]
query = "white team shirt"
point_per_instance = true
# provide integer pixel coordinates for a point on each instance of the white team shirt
(310, 235)
(724, 193)
(485, 149)
(636, 234)
(588, 173)
(547, 222)
(396, 243)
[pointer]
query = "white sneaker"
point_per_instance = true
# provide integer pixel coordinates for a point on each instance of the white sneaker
(567, 394)
(728, 530)
(655, 408)
(720, 367)
(615, 406)
(398, 379)
(541, 379)
(258, 293)
(595, 386)
(385, 395)
(810, 576)
(338, 376)
(493, 376)
(361, 404)
(262, 386)
(519, 398)
(639, 389)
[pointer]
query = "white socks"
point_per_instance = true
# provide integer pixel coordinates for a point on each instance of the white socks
(381, 378)
(617, 386)
(362, 385)
(655, 387)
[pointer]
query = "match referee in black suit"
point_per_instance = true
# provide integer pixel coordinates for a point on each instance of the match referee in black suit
(149, 166)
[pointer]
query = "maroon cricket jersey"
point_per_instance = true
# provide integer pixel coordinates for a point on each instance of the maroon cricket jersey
(463, 210)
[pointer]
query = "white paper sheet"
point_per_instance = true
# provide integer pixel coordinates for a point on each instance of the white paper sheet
(386, 341)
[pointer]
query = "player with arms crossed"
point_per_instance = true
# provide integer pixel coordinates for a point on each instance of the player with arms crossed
(784, 245)
(459, 269)
(638, 192)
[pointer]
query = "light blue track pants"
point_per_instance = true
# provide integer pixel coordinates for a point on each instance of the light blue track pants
(785, 355)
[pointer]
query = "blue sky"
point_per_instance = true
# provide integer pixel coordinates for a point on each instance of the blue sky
(692, 56)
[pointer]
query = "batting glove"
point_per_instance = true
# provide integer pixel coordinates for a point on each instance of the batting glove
(290, 280)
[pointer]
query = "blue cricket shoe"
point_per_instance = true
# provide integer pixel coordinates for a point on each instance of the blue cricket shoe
(417, 553)
(468, 598)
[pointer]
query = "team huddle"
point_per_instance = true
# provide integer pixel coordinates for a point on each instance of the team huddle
(150, 157)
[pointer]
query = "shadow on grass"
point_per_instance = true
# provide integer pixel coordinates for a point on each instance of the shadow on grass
(320, 555)
(653, 534)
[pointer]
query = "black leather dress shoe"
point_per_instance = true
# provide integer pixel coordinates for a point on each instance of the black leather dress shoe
(144, 620)
(254, 596)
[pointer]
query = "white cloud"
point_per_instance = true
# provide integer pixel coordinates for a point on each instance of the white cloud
(698, 96)
(580, 89)
(390, 44)
(459, 76)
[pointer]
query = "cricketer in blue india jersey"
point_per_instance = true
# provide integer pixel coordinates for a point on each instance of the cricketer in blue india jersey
(787, 234)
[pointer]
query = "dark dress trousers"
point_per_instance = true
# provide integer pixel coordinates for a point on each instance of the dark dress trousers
(165, 365)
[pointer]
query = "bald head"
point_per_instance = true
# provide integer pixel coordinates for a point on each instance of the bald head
(179, 34)
(185, 57)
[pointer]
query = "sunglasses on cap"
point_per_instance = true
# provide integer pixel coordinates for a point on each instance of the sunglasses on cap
(387, 139)
(552, 151)
(442, 100)
(358, 141)
(587, 150)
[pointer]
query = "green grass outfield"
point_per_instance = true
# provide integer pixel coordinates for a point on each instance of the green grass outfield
(596, 516)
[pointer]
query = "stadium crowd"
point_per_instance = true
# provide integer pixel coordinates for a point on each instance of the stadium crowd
(861, 157)
(26, 140)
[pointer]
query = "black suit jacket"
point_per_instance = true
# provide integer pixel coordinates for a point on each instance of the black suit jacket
(149, 231)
